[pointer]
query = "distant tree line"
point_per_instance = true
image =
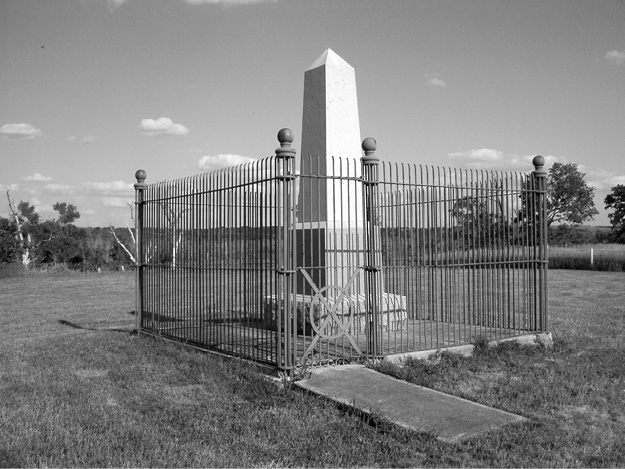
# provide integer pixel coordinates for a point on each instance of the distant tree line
(570, 203)
(34, 243)
(478, 223)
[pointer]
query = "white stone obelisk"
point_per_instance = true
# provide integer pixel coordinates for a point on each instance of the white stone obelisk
(330, 128)
(330, 227)
(330, 210)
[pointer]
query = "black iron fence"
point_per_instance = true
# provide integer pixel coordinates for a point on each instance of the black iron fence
(365, 259)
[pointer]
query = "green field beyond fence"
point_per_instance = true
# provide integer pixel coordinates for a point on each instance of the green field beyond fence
(603, 257)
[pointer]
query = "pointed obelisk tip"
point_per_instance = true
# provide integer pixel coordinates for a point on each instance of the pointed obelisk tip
(328, 57)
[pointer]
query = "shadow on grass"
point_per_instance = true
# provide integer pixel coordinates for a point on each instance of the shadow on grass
(73, 325)
(7, 459)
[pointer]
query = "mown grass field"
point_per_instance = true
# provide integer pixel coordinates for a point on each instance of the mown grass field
(78, 389)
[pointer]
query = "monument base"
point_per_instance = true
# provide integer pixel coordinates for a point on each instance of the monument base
(331, 319)
(330, 253)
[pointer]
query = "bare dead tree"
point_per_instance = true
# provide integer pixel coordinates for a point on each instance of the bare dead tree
(133, 248)
(24, 238)
(173, 218)
(174, 215)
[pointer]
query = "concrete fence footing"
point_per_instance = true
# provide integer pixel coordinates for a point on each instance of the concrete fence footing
(545, 339)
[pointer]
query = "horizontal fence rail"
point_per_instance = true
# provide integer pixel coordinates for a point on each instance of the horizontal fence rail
(341, 260)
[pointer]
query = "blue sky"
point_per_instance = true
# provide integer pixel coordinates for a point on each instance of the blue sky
(92, 90)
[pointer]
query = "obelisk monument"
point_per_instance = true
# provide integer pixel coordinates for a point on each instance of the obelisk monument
(330, 128)
(330, 210)
(330, 240)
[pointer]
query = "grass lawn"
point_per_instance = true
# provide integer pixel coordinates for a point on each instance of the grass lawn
(96, 395)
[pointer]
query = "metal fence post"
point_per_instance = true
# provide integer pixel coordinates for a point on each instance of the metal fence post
(140, 186)
(540, 185)
(287, 326)
(372, 262)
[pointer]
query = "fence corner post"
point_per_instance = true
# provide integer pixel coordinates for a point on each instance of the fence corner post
(140, 186)
(286, 250)
(540, 184)
(372, 264)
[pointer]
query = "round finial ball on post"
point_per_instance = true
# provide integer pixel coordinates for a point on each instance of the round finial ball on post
(539, 166)
(369, 145)
(285, 137)
(538, 161)
(140, 176)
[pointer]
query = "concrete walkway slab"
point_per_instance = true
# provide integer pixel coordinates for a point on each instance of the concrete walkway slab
(415, 407)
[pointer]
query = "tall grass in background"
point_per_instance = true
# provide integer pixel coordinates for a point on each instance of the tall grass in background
(601, 257)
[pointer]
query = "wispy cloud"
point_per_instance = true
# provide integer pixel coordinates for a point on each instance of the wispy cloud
(615, 57)
(615, 180)
(116, 201)
(114, 4)
(228, 3)
(87, 139)
(58, 189)
(434, 80)
(496, 160)
(162, 126)
(113, 188)
(37, 177)
(9, 187)
(108, 187)
(20, 131)
(210, 163)
(604, 180)
(480, 155)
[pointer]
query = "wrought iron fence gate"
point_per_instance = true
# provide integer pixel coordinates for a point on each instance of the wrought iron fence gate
(375, 258)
